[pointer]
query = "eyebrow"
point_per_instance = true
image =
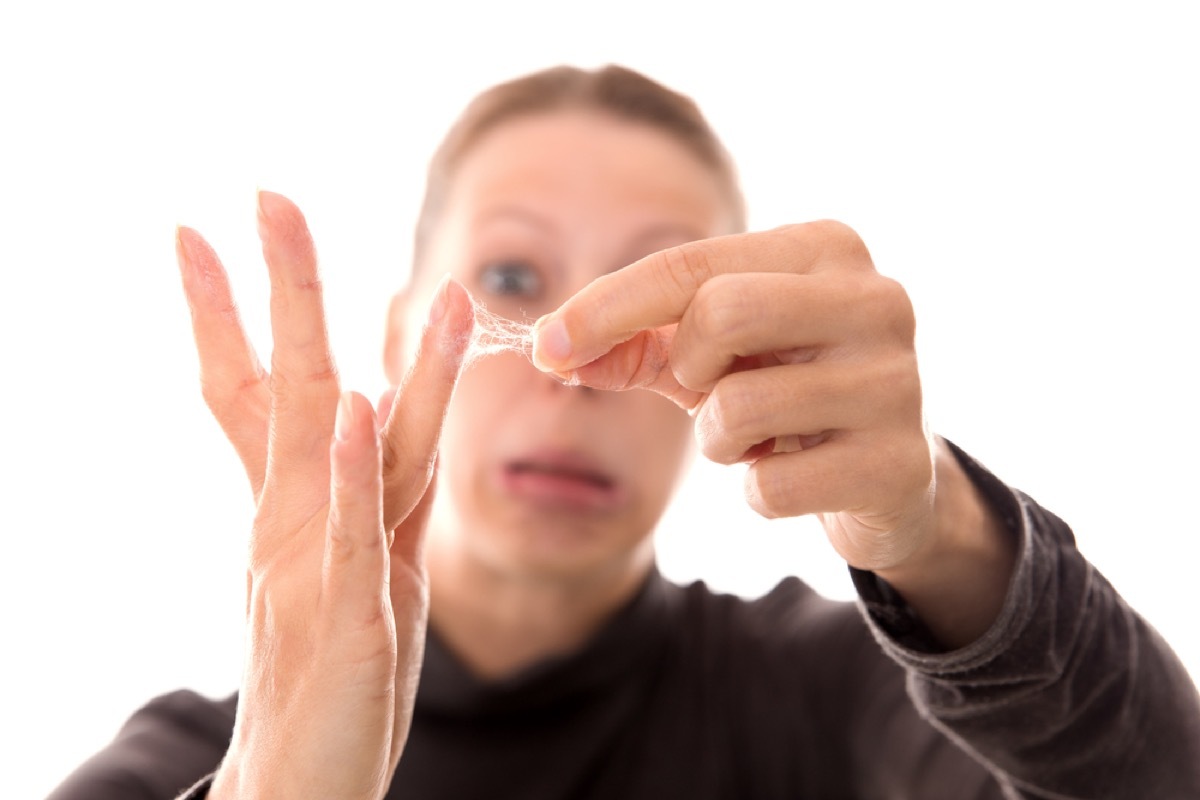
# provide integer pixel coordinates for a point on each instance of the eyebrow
(639, 246)
(516, 212)
(683, 232)
(667, 230)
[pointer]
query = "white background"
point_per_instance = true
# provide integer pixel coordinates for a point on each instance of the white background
(1029, 172)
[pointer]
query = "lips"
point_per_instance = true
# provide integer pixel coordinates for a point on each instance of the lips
(563, 480)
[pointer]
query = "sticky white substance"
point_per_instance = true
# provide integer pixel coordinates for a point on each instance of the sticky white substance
(494, 334)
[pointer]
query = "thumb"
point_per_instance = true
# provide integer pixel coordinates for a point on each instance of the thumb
(355, 549)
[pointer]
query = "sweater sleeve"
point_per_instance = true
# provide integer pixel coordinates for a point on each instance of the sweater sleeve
(166, 747)
(199, 790)
(1070, 694)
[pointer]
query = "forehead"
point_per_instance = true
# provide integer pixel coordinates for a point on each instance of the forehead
(589, 163)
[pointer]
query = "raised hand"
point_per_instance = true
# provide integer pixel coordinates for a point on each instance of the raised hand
(796, 355)
(337, 597)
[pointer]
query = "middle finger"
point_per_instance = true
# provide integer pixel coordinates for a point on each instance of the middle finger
(795, 316)
(304, 382)
(791, 400)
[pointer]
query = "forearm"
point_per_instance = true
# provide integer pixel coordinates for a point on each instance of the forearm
(1069, 690)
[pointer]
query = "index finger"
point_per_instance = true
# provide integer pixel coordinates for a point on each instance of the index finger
(417, 411)
(656, 290)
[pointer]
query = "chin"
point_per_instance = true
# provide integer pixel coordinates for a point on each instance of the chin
(560, 550)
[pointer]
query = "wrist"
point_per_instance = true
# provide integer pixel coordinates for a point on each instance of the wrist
(957, 579)
(242, 776)
(224, 784)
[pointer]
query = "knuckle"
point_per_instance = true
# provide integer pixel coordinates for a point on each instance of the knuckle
(837, 238)
(730, 412)
(223, 397)
(893, 308)
(714, 444)
(840, 232)
(766, 491)
(400, 463)
(324, 372)
(406, 478)
(719, 310)
(340, 543)
(344, 542)
(686, 268)
(835, 229)
(906, 389)
(309, 284)
(321, 371)
(291, 390)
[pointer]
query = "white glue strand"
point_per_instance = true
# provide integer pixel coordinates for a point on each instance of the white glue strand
(495, 334)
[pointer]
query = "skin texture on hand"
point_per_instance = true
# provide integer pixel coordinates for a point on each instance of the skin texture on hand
(337, 594)
(796, 356)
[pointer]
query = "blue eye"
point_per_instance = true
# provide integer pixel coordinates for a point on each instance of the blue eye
(510, 278)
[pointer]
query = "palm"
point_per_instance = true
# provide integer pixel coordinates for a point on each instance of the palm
(337, 593)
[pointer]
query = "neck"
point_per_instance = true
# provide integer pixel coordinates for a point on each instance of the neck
(497, 623)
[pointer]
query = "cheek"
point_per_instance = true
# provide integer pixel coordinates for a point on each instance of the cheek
(664, 440)
(481, 393)
(483, 417)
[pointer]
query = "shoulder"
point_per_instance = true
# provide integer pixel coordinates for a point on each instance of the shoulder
(164, 747)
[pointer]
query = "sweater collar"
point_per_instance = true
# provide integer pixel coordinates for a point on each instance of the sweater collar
(632, 640)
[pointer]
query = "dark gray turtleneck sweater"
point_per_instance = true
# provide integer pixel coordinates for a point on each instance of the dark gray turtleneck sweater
(692, 694)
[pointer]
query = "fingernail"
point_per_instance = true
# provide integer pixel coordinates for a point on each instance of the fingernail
(185, 253)
(183, 250)
(197, 264)
(551, 345)
(441, 300)
(269, 207)
(344, 421)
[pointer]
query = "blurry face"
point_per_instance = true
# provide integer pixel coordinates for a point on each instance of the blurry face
(536, 478)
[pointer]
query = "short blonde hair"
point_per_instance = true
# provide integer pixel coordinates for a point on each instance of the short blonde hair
(616, 90)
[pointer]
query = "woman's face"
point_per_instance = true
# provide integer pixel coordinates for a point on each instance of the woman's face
(538, 479)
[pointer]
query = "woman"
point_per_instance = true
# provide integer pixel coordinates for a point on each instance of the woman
(558, 663)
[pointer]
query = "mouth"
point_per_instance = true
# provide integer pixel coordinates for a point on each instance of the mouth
(562, 471)
(561, 480)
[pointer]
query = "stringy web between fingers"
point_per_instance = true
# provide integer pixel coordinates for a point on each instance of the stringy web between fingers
(494, 334)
